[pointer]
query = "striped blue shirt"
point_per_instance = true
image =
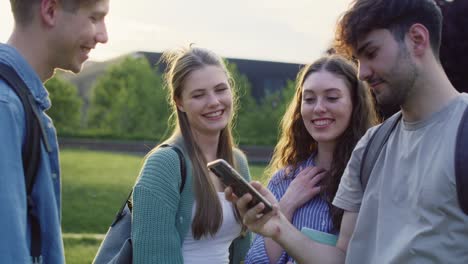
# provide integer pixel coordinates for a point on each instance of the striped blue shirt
(313, 214)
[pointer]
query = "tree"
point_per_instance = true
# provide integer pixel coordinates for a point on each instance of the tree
(129, 101)
(453, 50)
(272, 108)
(257, 123)
(246, 105)
(66, 105)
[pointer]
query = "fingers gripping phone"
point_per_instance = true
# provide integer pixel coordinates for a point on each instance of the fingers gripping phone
(230, 177)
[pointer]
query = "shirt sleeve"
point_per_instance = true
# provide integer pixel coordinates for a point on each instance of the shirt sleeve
(14, 245)
(155, 204)
(350, 192)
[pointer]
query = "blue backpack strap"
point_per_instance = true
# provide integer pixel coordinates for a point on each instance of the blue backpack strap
(31, 152)
(461, 162)
(375, 146)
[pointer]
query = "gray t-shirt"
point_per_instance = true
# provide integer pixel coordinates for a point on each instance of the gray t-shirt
(409, 212)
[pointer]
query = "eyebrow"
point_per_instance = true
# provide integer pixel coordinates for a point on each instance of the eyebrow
(99, 14)
(221, 84)
(198, 91)
(363, 47)
(331, 89)
(202, 90)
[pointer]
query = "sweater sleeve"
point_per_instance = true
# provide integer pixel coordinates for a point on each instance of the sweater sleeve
(155, 204)
(241, 245)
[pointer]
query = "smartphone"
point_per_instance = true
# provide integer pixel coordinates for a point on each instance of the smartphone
(230, 177)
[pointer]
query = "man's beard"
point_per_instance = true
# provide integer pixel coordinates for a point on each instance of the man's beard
(400, 82)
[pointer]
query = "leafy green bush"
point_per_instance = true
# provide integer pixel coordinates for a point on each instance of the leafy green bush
(66, 104)
(129, 100)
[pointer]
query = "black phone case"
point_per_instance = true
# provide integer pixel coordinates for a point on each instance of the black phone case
(230, 177)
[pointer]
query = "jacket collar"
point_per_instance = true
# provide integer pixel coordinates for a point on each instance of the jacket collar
(11, 56)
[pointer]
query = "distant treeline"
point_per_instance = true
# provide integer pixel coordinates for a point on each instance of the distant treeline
(129, 101)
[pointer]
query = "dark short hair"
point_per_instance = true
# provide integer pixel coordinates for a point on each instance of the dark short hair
(23, 10)
(395, 15)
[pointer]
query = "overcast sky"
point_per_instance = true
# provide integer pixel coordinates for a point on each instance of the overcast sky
(278, 30)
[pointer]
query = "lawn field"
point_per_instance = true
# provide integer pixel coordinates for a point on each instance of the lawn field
(94, 185)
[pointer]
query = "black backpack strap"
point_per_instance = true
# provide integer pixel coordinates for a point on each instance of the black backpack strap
(31, 151)
(461, 162)
(375, 146)
(183, 175)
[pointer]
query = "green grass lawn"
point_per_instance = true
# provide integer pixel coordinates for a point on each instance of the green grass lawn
(94, 185)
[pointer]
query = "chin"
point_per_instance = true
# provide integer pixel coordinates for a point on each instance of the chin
(71, 68)
(77, 68)
(325, 138)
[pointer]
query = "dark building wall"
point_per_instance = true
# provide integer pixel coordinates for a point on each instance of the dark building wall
(263, 75)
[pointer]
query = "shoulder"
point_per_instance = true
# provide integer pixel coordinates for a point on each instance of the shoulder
(277, 177)
(241, 163)
(464, 97)
(162, 154)
(463, 101)
(11, 108)
(161, 169)
(364, 140)
(7, 95)
(239, 155)
(240, 159)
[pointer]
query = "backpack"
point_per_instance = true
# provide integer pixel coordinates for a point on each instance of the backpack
(116, 247)
(31, 152)
(380, 137)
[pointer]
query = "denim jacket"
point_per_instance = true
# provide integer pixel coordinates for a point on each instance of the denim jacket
(15, 238)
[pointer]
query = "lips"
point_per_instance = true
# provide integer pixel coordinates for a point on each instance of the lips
(375, 82)
(86, 49)
(322, 122)
(214, 115)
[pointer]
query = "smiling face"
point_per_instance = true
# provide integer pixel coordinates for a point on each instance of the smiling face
(326, 106)
(76, 33)
(206, 99)
(386, 65)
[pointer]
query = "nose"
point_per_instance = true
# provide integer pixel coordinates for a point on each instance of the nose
(319, 106)
(101, 33)
(213, 100)
(364, 71)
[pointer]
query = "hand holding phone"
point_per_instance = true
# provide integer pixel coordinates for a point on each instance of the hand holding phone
(230, 177)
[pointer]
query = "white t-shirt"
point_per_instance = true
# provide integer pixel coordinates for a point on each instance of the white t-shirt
(212, 249)
(409, 212)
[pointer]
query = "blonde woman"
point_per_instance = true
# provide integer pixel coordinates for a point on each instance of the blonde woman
(197, 224)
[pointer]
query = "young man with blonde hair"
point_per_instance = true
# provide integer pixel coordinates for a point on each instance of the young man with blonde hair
(47, 34)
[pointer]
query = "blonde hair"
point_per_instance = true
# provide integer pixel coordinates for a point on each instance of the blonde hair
(180, 63)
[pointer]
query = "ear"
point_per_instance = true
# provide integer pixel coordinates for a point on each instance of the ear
(48, 12)
(179, 104)
(419, 38)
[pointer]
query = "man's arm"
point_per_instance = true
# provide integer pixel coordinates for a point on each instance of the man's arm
(14, 247)
(307, 251)
(276, 226)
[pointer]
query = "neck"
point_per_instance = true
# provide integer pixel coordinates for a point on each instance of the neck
(432, 91)
(208, 144)
(31, 45)
(324, 156)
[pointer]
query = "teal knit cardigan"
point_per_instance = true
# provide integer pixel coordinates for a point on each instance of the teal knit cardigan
(162, 216)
